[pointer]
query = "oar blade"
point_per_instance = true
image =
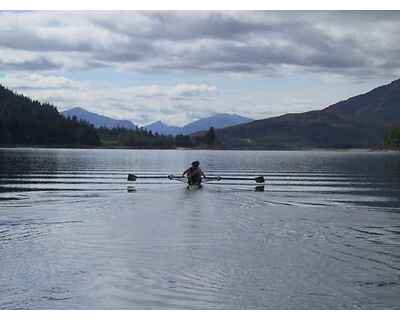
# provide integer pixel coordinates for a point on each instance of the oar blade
(131, 177)
(260, 179)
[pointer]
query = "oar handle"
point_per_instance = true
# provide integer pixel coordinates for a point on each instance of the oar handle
(172, 176)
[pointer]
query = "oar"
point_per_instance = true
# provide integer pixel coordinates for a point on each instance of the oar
(132, 177)
(259, 179)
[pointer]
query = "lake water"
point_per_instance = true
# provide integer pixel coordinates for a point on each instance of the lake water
(74, 234)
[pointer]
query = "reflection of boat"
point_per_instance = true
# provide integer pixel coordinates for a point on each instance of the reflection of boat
(260, 188)
(260, 180)
(131, 189)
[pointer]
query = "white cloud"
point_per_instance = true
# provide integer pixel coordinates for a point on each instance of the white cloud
(212, 42)
(184, 90)
(35, 81)
(141, 104)
(43, 54)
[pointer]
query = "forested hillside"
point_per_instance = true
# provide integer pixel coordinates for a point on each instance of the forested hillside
(358, 122)
(24, 121)
(27, 122)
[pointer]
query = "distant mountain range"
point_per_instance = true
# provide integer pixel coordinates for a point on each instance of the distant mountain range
(162, 128)
(359, 121)
(98, 120)
(219, 120)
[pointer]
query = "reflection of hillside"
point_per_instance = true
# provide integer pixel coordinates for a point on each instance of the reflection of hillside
(26, 161)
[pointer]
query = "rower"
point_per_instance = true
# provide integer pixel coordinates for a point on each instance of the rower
(194, 174)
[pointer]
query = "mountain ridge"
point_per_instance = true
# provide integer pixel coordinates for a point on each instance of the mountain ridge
(98, 120)
(217, 120)
(162, 128)
(359, 121)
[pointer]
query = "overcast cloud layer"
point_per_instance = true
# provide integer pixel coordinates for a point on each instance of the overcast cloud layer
(180, 66)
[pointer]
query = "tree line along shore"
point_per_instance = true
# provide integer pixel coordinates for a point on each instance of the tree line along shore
(27, 122)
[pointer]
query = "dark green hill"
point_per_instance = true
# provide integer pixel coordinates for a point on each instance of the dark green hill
(360, 121)
(379, 107)
(24, 121)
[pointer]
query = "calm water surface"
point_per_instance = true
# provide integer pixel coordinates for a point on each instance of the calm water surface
(74, 234)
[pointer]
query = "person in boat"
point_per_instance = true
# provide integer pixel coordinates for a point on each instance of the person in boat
(194, 173)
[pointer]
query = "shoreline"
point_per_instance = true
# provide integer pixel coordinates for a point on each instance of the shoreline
(83, 147)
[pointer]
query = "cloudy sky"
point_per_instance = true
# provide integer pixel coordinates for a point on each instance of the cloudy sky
(179, 66)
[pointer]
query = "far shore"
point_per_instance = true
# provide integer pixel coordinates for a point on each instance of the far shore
(84, 147)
